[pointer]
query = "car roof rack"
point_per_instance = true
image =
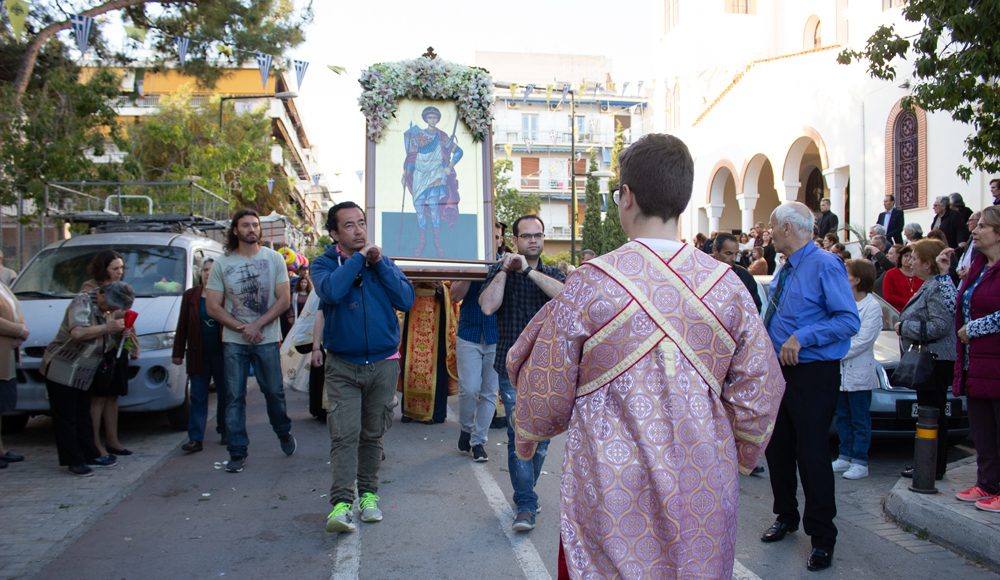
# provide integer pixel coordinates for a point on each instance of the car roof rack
(130, 206)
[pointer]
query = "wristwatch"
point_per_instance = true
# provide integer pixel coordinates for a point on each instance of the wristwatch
(527, 270)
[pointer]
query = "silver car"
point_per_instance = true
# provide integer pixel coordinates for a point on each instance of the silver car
(160, 267)
(894, 408)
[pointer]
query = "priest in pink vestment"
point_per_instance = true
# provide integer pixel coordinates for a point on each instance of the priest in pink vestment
(655, 362)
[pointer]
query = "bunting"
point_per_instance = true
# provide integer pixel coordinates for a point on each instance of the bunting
(548, 94)
(513, 90)
(270, 185)
(639, 89)
(182, 45)
(264, 62)
(624, 88)
(17, 11)
(565, 93)
(361, 175)
(81, 30)
(300, 71)
(136, 33)
(508, 149)
(527, 92)
(316, 178)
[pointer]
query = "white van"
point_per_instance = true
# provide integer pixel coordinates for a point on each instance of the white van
(160, 267)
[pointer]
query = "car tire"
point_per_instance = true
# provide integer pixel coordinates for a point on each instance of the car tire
(14, 423)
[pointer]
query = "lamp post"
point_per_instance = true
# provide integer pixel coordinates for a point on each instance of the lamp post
(284, 96)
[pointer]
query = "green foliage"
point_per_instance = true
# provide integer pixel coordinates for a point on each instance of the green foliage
(180, 141)
(614, 235)
(555, 259)
(65, 119)
(593, 232)
(954, 59)
(509, 204)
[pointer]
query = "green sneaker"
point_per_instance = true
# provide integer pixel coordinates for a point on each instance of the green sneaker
(341, 519)
(369, 508)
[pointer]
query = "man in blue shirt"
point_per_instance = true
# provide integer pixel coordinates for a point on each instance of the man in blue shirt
(360, 291)
(476, 351)
(811, 317)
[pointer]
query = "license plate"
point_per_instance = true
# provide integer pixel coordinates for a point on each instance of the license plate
(947, 410)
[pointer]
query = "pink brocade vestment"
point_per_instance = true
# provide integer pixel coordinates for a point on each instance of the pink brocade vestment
(664, 377)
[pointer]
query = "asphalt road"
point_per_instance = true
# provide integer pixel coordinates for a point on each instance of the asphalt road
(445, 517)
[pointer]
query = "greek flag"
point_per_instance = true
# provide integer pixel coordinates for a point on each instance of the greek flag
(564, 93)
(81, 30)
(182, 45)
(527, 92)
(300, 71)
(264, 62)
(270, 185)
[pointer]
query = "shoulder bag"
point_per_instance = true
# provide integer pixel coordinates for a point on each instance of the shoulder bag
(916, 365)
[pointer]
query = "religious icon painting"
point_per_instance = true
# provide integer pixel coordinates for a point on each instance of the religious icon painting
(429, 186)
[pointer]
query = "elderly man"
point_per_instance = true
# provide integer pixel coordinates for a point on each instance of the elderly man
(949, 221)
(811, 320)
(654, 361)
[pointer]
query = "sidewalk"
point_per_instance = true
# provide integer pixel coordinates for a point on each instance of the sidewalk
(957, 525)
(44, 508)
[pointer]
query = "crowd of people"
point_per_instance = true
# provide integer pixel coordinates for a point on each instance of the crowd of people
(671, 373)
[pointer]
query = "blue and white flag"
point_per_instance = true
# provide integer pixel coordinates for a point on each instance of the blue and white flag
(264, 62)
(182, 45)
(300, 71)
(81, 30)
(624, 88)
(639, 89)
(564, 93)
(270, 185)
(316, 178)
(527, 92)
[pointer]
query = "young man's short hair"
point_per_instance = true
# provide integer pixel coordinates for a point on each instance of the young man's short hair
(517, 223)
(659, 170)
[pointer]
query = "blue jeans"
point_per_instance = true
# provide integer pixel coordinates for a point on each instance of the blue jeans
(267, 365)
(477, 395)
(212, 367)
(854, 425)
(523, 474)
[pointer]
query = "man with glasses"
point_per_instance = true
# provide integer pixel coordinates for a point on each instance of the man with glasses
(515, 289)
(360, 291)
(655, 363)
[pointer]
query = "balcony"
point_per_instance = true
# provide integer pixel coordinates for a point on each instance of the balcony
(543, 186)
(503, 135)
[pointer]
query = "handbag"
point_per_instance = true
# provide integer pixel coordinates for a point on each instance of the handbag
(916, 365)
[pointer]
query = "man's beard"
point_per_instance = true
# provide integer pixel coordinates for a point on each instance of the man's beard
(247, 239)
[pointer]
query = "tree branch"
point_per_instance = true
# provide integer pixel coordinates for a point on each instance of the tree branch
(31, 54)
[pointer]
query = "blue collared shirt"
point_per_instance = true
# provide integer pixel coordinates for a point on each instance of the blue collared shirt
(817, 306)
(473, 325)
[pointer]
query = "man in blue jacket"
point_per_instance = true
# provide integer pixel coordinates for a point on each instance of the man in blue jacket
(360, 291)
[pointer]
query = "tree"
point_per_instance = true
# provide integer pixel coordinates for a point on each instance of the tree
(51, 139)
(593, 231)
(181, 141)
(614, 235)
(954, 69)
(509, 203)
(223, 33)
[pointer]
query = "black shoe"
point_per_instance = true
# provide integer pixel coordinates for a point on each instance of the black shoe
(479, 454)
(192, 447)
(288, 444)
(103, 461)
(777, 532)
(81, 470)
(120, 452)
(235, 465)
(819, 559)
(11, 457)
(908, 473)
(463, 442)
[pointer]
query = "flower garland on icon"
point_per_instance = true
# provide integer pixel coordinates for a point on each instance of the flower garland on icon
(427, 77)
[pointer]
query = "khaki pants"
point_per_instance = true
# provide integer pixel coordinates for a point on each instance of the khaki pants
(361, 408)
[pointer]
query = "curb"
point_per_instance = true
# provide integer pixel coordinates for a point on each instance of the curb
(958, 526)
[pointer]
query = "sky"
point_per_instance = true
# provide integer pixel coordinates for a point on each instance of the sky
(356, 35)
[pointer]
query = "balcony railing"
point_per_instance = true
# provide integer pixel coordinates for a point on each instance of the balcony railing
(554, 185)
(561, 138)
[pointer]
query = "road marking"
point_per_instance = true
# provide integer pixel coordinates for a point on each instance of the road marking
(741, 572)
(347, 559)
(525, 552)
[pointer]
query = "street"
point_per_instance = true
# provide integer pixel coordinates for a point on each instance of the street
(445, 516)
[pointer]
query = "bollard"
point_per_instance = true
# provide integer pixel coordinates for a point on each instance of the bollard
(925, 446)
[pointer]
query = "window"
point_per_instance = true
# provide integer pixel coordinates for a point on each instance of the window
(741, 6)
(811, 36)
(905, 145)
(529, 126)
(581, 126)
(887, 4)
(529, 173)
(669, 15)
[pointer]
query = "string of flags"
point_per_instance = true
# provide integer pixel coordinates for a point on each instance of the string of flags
(82, 26)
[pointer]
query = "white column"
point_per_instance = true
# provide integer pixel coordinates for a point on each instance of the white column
(791, 191)
(714, 215)
(748, 202)
(836, 182)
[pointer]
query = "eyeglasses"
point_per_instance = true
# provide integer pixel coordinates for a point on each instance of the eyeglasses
(526, 237)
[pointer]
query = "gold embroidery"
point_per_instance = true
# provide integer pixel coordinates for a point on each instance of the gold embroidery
(623, 365)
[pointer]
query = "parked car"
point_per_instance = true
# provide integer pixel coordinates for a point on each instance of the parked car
(160, 267)
(894, 408)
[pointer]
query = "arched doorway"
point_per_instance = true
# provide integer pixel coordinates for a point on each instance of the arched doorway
(802, 173)
(758, 182)
(723, 209)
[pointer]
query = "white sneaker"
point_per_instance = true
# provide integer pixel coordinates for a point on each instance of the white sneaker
(856, 472)
(841, 465)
